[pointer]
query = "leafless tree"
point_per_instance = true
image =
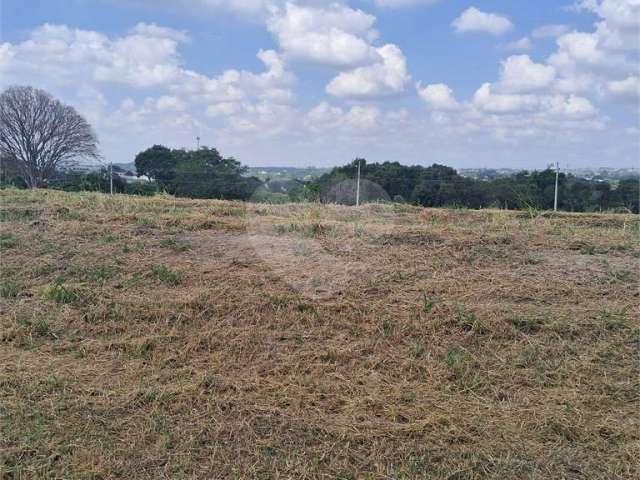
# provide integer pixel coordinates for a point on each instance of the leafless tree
(40, 133)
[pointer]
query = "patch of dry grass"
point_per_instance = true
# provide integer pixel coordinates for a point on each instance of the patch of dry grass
(173, 338)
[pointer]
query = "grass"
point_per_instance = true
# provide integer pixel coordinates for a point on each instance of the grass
(8, 240)
(174, 244)
(311, 341)
(9, 288)
(63, 294)
(166, 275)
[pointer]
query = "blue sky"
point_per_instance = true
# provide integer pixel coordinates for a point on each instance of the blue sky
(504, 83)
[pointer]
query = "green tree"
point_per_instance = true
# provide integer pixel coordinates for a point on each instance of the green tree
(628, 194)
(157, 163)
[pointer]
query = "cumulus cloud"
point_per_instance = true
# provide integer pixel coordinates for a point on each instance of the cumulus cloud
(627, 88)
(438, 96)
(567, 106)
(335, 35)
(474, 20)
(145, 57)
(589, 60)
(358, 117)
(550, 31)
(521, 45)
(387, 77)
(520, 74)
(402, 3)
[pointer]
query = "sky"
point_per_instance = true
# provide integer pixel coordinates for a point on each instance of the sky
(493, 83)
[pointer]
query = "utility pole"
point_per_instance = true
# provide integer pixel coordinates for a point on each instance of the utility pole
(111, 178)
(555, 198)
(358, 186)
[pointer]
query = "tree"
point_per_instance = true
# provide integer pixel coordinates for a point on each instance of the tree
(202, 173)
(40, 133)
(158, 163)
(628, 194)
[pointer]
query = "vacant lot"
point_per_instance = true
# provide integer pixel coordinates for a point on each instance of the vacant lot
(171, 338)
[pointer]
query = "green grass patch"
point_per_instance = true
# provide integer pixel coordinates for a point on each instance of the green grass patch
(63, 294)
(614, 319)
(174, 244)
(530, 326)
(8, 240)
(93, 273)
(166, 275)
(8, 287)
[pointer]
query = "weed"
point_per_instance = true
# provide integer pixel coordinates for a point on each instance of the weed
(8, 240)
(174, 245)
(388, 327)
(166, 275)
(306, 308)
(60, 293)
(614, 319)
(8, 287)
(311, 230)
(94, 273)
(143, 221)
(330, 356)
(528, 356)
(529, 326)
(44, 269)
(531, 260)
(37, 326)
(427, 304)
(418, 350)
(470, 323)
(146, 349)
(588, 249)
(456, 359)
(623, 276)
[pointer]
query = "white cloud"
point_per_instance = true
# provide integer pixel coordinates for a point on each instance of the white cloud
(558, 105)
(325, 116)
(627, 88)
(387, 77)
(153, 30)
(572, 106)
(620, 14)
(243, 8)
(438, 96)
(486, 100)
(520, 74)
(169, 103)
(402, 3)
(139, 59)
(336, 35)
(521, 45)
(6, 54)
(474, 20)
(550, 31)
(587, 62)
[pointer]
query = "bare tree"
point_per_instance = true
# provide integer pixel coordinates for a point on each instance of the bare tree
(40, 133)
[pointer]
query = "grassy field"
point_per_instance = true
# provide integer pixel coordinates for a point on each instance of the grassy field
(172, 338)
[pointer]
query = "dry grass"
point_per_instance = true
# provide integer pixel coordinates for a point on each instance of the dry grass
(167, 338)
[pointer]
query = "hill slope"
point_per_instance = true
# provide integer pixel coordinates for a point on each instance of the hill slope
(172, 338)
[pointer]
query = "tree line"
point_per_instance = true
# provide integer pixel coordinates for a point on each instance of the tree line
(39, 135)
(442, 186)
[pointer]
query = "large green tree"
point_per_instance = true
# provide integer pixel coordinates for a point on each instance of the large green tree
(202, 173)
